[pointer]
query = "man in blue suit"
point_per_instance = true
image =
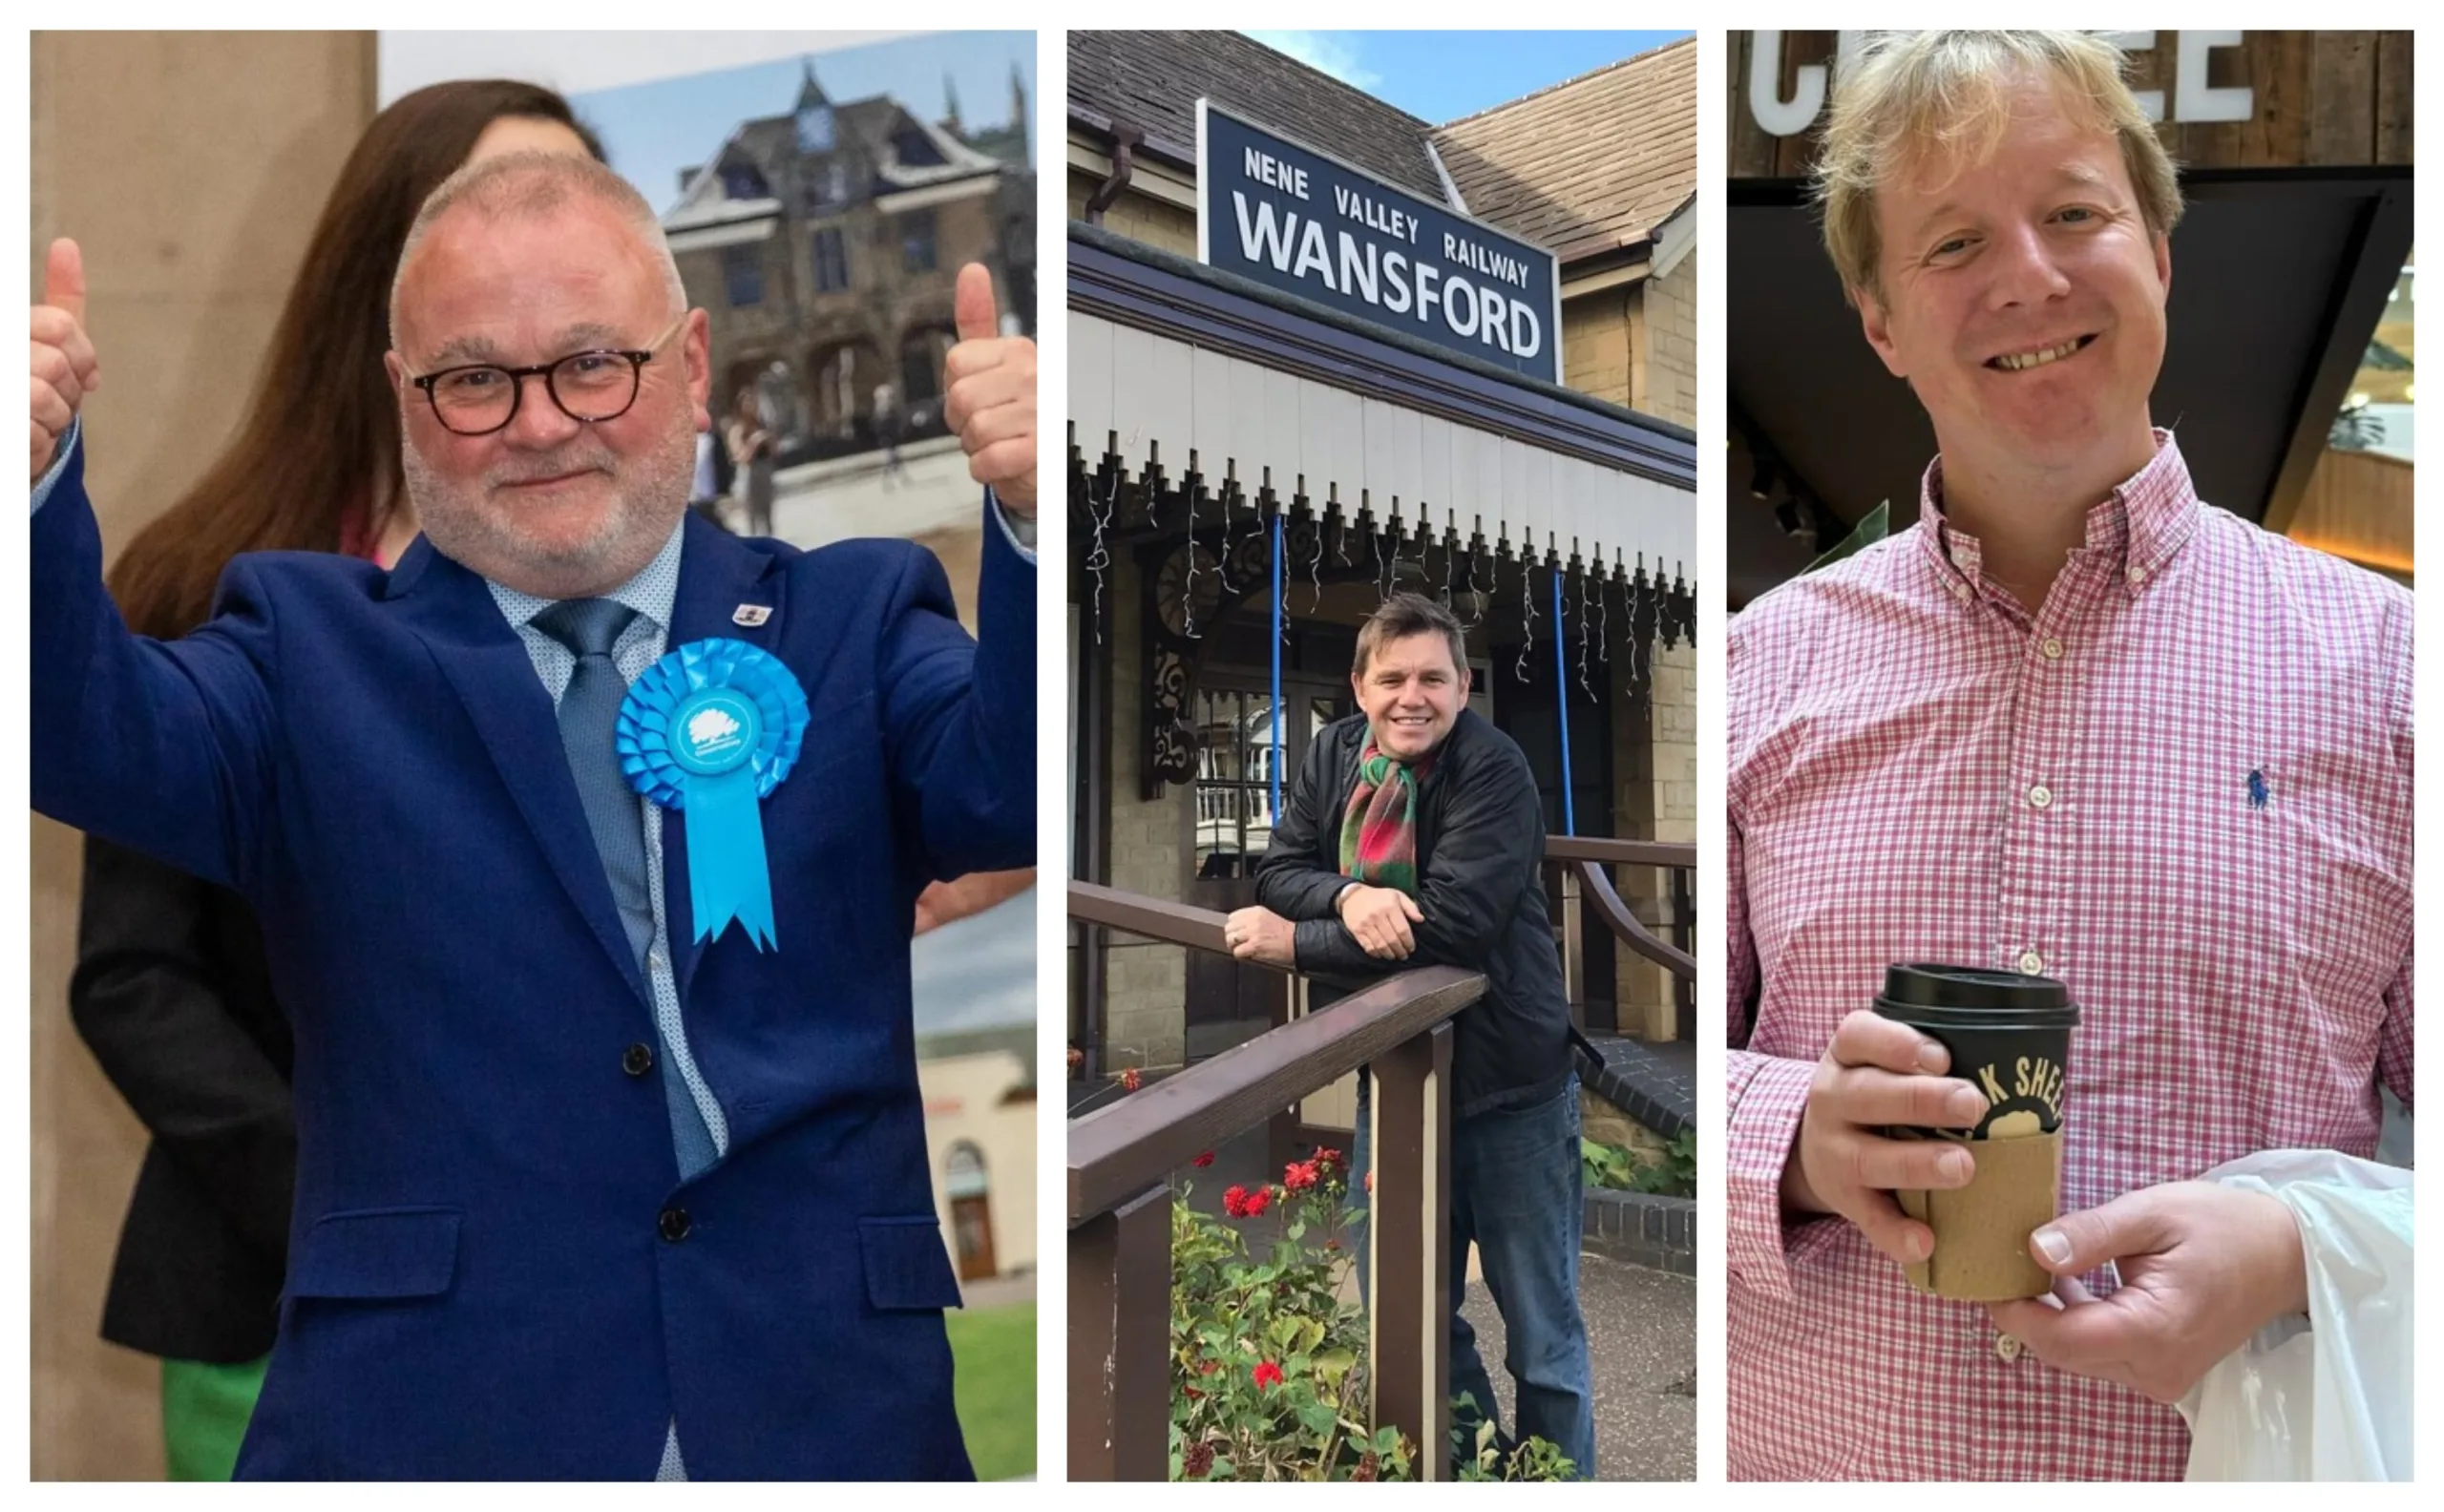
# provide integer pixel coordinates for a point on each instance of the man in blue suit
(587, 1187)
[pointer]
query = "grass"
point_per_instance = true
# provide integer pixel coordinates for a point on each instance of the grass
(994, 1352)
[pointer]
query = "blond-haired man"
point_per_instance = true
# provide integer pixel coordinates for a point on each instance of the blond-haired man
(2074, 724)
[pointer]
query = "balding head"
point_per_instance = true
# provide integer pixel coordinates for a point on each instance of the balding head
(533, 185)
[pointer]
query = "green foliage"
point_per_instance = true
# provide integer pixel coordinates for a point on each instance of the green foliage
(1674, 1175)
(1877, 525)
(1607, 1165)
(1269, 1374)
(1536, 1459)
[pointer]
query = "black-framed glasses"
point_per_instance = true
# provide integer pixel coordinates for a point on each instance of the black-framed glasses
(589, 387)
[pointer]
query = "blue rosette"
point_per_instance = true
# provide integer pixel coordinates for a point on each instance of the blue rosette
(711, 729)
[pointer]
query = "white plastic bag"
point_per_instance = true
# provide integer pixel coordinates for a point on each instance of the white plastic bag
(2329, 1399)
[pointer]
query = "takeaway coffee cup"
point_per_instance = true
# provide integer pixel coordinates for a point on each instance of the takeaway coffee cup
(2009, 1036)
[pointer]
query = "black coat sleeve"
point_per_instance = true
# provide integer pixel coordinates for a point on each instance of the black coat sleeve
(149, 999)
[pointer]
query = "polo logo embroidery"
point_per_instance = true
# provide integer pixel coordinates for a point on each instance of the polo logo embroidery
(751, 615)
(2259, 792)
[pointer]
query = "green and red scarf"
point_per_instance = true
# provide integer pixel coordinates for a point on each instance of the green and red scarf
(1378, 831)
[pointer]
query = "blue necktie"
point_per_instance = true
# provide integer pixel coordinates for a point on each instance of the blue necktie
(589, 730)
(589, 725)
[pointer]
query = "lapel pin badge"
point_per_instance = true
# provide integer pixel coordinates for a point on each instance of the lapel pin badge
(749, 615)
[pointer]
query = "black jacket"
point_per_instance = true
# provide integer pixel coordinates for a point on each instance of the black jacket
(1480, 886)
(172, 994)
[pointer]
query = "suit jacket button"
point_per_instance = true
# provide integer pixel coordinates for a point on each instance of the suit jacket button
(674, 1224)
(638, 1061)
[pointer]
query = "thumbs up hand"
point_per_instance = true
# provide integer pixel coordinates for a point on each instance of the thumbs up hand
(991, 403)
(65, 368)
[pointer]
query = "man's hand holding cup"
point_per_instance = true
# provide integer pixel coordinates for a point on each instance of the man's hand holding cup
(991, 403)
(65, 368)
(1876, 1074)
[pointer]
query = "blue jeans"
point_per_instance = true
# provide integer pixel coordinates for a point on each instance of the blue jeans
(1516, 1193)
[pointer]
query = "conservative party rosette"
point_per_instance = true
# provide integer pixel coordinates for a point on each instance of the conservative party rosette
(712, 729)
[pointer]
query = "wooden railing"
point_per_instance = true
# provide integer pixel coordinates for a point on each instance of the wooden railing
(1119, 1199)
(1586, 887)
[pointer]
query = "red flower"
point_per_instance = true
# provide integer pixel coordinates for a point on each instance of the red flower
(1203, 1161)
(1133, 1079)
(1327, 1159)
(1194, 1395)
(1208, 1367)
(1235, 1201)
(1299, 1177)
(1256, 1203)
(1370, 1183)
(1268, 1374)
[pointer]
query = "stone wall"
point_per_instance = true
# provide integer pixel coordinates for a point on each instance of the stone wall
(1598, 356)
(1671, 357)
(1656, 798)
(1141, 218)
(1145, 993)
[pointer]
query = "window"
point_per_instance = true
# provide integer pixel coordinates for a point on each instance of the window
(1233, 779)
(917, 150)
(814, 129)
(741, 181)
(831, 260)
(743, 276)
(963, 1171)
(917, 240)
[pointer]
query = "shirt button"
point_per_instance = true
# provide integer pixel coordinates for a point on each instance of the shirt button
(2007, 1349)
(1960, 591)
(2052, 649)
(2040, 796)
(2138, 576)
(638, 1059)
(2031, 963)
(674, 1224)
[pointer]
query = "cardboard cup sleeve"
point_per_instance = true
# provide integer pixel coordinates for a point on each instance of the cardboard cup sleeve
(1981, 1230)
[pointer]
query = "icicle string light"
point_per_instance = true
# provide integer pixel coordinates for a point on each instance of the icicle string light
(1187, 586)
(1316, 572)
(1603, 626)
(1582, 642)
(1098, 555)
(1528, 600)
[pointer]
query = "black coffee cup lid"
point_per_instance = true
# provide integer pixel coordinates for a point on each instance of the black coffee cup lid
(1924, 985)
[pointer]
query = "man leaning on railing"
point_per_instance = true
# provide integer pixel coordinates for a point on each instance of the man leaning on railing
(1414, 835)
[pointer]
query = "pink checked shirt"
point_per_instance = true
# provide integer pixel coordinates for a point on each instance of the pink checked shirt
(2182, 788)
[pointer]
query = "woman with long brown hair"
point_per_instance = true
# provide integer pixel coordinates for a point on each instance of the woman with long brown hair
(170, 989)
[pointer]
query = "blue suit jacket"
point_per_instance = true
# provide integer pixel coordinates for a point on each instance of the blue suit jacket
(478, 1287)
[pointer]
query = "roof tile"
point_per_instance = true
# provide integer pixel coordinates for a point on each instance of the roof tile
(1587, 166)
